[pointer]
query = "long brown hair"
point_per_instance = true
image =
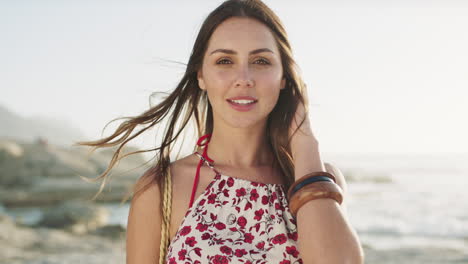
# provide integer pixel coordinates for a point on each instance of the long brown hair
(188, 103)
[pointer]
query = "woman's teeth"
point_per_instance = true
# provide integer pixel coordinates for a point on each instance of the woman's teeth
(243, 101)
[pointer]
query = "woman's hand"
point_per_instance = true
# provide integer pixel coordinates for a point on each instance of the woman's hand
(304, 136)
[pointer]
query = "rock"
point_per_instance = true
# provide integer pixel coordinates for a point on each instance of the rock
(11, 147)
(6, 220)
(110, 231)
(53, 191)
(39, 174)
(75, 216)
(13, 237)
(26, 245)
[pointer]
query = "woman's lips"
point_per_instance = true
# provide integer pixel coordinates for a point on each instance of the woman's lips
(242, 107)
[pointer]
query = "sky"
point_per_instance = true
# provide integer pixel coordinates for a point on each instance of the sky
(383, 76)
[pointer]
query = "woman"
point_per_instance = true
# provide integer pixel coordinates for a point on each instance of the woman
(248, 102)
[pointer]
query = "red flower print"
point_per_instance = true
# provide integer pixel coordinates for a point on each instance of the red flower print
(248, 238)
(226, 250)
(182, 254)
(285, 261)
(205, 236)
(190, 241)
(292, 236)
(292, 251)
(213, 216)
(258, 214)
(241, 221)
(198, 252)
(257, 226)
(254, 195)
(220, 259)
(202, 202)
(279, 206)
(265, 199)
(230, 182)
(240, 252)
(273, 197)
(185, 230)
(202, 227)
(279, 239)
(260, 245)
(212, 198)
(241, 192)
(293, 221)
(221, 184)
(172, 261)
(220, 226)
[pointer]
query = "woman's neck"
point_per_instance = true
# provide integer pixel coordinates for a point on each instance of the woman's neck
(241, 148)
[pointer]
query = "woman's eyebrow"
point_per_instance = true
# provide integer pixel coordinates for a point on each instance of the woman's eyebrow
(228, 51)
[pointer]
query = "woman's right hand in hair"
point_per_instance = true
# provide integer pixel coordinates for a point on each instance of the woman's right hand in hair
(304, 133)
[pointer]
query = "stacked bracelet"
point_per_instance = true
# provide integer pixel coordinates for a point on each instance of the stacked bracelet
(313, 186)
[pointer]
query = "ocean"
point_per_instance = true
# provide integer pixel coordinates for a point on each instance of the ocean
(411, 203)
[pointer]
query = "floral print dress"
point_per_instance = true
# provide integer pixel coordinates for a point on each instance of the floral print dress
(237, 221)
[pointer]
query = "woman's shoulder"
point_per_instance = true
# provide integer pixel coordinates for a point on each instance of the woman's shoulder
(181, 171)
(183, 165)
(149, 187)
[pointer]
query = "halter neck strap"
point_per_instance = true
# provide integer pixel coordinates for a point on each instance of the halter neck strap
(202, 142)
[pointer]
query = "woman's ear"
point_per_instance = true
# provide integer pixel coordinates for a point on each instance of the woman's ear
(201, 81)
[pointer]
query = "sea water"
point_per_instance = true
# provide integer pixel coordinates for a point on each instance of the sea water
(423, 204)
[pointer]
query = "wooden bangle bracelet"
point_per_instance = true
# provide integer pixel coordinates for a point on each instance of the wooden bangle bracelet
(307, 176)
(316, 190)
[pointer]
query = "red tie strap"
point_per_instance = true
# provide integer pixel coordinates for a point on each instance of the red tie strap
(202, 141)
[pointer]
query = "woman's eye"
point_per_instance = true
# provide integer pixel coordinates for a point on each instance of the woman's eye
(262, 61)
(223, 61)
(259, 61)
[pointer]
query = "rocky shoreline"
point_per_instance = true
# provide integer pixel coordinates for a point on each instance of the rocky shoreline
(23, 244)
(54, 191)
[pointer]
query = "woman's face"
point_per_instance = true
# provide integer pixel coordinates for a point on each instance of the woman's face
(242, 73)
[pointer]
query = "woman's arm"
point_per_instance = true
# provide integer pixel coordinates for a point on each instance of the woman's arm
(324, 233)
(144, 227)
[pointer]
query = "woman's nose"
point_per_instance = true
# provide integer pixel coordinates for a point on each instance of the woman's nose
(244, 77)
